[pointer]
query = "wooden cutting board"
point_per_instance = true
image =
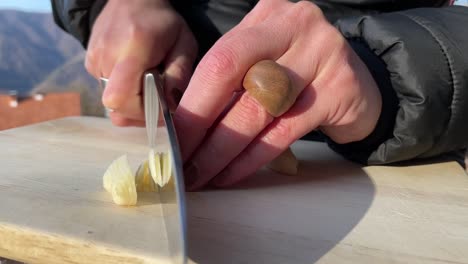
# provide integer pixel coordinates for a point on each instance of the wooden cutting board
(53, 208)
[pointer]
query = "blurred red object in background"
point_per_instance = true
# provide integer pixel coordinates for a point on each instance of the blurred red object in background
(15, 112)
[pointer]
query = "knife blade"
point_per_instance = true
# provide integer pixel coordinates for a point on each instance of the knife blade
(172, 197)
(162, 138)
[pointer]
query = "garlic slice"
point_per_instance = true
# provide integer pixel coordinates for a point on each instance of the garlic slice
(120, 182)
(143, 180)
(155, 167)
(166, 167)
(161, 170)
(123, 185)
(285, 163)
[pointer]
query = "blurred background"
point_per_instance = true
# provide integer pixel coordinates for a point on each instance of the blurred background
(42, 73)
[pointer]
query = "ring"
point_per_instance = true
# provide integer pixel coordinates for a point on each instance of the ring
(269, 83)
(102, 84)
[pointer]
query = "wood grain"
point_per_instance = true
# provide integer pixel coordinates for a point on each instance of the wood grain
(54, 210)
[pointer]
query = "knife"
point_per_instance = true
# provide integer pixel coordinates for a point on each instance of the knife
(162, 137)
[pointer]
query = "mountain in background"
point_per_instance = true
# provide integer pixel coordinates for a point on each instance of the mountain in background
(37, 56)
(72, 77)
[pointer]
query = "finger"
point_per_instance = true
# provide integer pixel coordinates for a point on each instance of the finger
(179, 66)
(143, 51)
(246, 119)
(119, 120)
(241, 124)
(263, 10)
(123, 90)
(91, 63)
(279, 135)
(218, 75)
(95, 57)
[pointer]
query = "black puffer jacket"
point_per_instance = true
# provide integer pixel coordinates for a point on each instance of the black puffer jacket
(416, 50)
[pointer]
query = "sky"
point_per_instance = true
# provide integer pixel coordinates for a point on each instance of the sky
(26, 5)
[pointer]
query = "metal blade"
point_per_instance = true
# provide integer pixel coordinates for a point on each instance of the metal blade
(151, 103)
(172, 195)
(151, 109)
(162, 137)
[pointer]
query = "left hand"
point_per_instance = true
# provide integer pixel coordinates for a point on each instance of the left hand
(226, 141)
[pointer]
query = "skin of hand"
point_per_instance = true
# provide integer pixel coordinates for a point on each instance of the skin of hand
(224, 139)
(131, 37)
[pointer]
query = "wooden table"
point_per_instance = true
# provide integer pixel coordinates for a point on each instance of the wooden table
(54, 210)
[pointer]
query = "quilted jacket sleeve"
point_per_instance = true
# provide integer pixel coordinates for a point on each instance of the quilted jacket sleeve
(77, 17)
(419, 58)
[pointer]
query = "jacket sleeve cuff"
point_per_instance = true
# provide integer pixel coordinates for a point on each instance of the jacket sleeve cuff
(360, 151)
(421, 51)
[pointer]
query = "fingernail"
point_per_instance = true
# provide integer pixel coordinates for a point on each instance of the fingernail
(190, 175)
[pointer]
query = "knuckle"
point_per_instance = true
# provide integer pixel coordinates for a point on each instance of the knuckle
(265, 6)
(218, 63)
(281, 134)
(306, 12)
(91, 61)
(334, 36)
(251, 113)
(181, 71)
(138, 33)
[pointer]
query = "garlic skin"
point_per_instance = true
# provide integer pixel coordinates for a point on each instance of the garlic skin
(285, 163)
(120, 182)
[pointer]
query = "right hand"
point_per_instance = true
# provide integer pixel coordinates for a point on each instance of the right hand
(130, 37)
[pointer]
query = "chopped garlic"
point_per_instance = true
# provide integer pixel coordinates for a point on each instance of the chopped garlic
(161, 170)
(120, 182)
(143, 180)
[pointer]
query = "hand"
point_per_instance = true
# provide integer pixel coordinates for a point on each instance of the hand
(130, 37)
(226, 141)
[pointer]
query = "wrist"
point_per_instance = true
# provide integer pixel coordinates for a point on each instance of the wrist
(356, 101)
(360, 150)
